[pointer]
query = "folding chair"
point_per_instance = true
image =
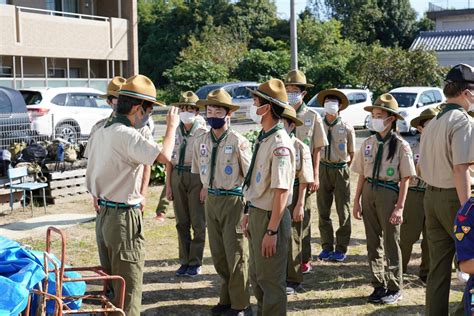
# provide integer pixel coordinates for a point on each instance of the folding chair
(21, 173)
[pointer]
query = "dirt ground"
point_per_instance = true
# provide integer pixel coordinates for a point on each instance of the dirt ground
(331, 289)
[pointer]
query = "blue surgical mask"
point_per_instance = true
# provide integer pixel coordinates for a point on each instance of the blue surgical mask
(216, 122)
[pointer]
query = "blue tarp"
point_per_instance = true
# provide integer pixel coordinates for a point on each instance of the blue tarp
(22, 270)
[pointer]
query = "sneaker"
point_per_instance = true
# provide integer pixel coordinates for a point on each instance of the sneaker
(220, 309)
(306, 267)
(160, 217)
(182, 270)
(337, 256)
(463, 277)
(392, 297)
(293, 288)
(244, 312)
(325, 255)
(193, 271)
(377, 294)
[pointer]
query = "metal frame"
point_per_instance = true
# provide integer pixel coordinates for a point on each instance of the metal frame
(59, 270)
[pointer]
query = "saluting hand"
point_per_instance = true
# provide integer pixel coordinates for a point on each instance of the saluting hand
(172, 118)
(269, 244)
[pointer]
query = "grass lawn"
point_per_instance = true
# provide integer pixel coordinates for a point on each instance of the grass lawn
(331, 289)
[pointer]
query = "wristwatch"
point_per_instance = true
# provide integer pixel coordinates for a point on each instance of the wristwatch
(271, 232)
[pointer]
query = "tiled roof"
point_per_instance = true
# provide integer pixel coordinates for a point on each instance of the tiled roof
(460, 40)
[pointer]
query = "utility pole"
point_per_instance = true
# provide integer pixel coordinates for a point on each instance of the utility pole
(293, 37)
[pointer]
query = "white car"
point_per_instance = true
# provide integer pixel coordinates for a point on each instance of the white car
(411, 102)
(70, 111)
(354, 114)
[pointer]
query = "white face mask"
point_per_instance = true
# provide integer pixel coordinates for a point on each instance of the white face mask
(294, 98)
(187, 117)
(331, 107)
(252, 114)
(378, 125)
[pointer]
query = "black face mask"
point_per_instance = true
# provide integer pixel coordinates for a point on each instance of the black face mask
(216, 122)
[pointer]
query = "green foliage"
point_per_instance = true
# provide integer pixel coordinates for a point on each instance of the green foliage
(251, 136)
(184, 44)
(157, 174)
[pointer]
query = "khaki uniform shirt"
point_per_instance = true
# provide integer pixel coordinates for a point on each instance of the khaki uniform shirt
(342, 142)
(191, 138)
(303, 162)
(232, 160)
(416, 181)
(447, 141)
(145, 131)
(312, 131)
(115, 167)
(274, 168)
(401, 166)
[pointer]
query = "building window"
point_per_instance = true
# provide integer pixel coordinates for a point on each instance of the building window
(62, 5)
(5, 72)
(57, 73)
(74, 72)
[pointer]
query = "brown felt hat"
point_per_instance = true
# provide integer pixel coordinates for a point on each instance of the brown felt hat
(140, 87)
(336, 93)
(187, 98)
(290, 113)
(386, 102)
(274, 91)
(113, 87)
(218, 97)
(297, 78)
(427, 114)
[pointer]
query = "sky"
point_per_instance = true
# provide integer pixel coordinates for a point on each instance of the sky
(419, 5)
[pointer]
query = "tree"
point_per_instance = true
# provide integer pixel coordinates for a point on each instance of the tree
(258, 65)
(390, 22)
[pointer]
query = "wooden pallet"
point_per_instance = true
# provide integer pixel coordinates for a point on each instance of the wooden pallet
(67, 183)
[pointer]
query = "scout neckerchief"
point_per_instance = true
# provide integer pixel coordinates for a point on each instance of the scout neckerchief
(215, 146)
(182, 148)
(118, 118)
(378, 159)
(330, 125)
(260, 138)
(449, 107)
(301, 108)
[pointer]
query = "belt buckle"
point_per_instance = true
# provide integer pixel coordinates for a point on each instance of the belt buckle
(217, 192)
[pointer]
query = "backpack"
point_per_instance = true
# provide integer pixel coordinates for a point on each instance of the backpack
(5, 161)
(15, 149)
(34, 153)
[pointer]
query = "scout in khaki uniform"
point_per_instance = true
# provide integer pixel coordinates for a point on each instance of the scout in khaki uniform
(384, 164)
(118, 153)
(221, 158)
(334, 176)
(303, 176)
(112, 97)
(414, 214)
(312, 134)
(184, 187)
(268, 188)
(445, 153)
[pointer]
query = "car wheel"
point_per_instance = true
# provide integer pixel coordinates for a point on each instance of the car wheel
(67, 132)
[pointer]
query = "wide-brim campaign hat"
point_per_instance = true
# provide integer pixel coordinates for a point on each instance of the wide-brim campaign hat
(386, 102)
(297, 78)
(290, 113)
(427, 114)
(113, 87)
(187, 98)
(140, 87)
(336, 93)
(218, 97)
(274, 91)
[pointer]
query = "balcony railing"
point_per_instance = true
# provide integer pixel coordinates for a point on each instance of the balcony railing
(443, 5)
(63, 14)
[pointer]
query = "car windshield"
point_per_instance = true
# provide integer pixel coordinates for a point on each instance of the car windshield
(31, 97)
(405, 100)
(243, 92)
(101, 103)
